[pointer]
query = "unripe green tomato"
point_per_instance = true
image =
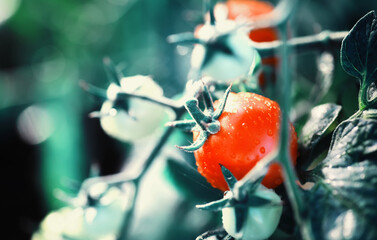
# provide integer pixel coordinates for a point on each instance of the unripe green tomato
(260, 223)
(143, 118)
(102, 221)
(224, 66)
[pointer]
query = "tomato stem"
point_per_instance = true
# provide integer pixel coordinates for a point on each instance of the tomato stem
(319, 42)
(123, 235)
(161, 100)
(290, 177)
(209, 8)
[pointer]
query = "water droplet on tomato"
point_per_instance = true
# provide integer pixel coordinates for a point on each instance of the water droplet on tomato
(243, 124)
(262, 150)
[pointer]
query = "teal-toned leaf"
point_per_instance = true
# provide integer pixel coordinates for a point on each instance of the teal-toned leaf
(229, 178)
(359, 53)
(320, 119)
(218, 234)
(343, 204)
(189, 181)
(217, 205)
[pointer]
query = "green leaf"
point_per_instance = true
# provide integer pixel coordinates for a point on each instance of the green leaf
(343, 202)
(189, 181)
(320, 119)
(229, 178)
(218, 234)
(359, 54)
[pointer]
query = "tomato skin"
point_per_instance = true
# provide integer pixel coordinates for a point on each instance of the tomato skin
(249, 131)
(250, 10)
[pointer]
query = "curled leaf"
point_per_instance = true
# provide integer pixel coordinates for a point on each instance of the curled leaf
(359, 54)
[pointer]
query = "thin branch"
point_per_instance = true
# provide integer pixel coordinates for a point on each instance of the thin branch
(290, 177)
(319, 42)
(161, 100)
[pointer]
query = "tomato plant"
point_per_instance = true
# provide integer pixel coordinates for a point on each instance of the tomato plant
(250, 125)
(244, 143)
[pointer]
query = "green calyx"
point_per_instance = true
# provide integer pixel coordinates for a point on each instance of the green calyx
(114, 77)
(205, 122)
(240, 202)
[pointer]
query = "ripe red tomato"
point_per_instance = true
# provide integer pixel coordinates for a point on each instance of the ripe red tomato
(249, 131)
(249, 10)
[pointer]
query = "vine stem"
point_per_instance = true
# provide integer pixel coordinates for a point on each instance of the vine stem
(156, 150)
(320, 41)
(121, 178)
(290, 177)
(161, 100)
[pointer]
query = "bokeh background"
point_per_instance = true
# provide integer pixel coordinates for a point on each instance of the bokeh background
(47, 141)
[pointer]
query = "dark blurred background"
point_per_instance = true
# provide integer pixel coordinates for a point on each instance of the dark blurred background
(47, 141)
